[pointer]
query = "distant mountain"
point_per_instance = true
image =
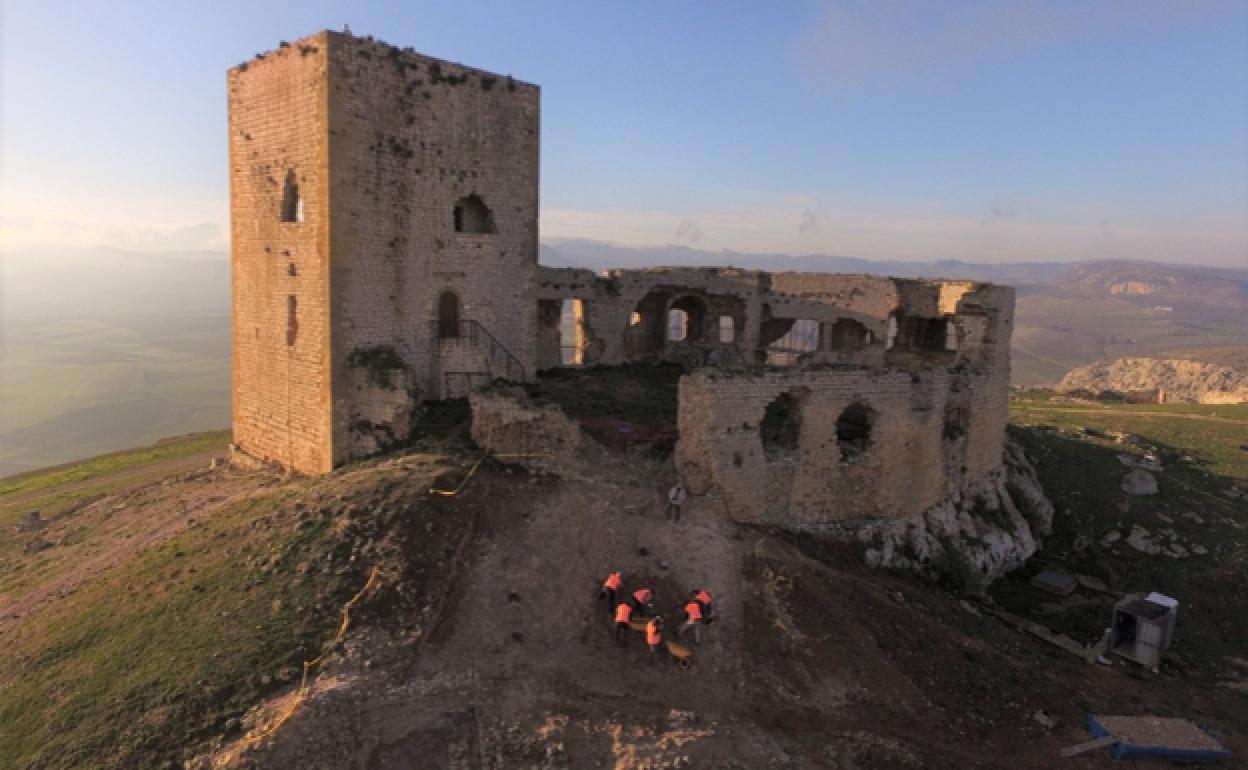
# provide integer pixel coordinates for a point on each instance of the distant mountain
(596, 255)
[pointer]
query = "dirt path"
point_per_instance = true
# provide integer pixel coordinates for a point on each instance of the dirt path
(1129, 413)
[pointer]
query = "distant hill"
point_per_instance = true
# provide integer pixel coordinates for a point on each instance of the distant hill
(1175, 380)
(103, 349)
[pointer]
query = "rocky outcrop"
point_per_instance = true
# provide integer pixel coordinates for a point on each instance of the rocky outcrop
(974, 538)
(1174, 380)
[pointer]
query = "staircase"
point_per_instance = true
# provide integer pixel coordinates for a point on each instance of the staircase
(470, 356)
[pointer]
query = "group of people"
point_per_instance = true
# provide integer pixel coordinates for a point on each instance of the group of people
(697, 611)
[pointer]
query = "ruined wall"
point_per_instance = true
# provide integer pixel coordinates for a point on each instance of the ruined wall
(507, 424)
(900, 471)
(411, 136)
(280, 269)
(936, 424)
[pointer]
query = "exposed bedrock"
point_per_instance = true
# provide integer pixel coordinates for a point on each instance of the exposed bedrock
(972, 538)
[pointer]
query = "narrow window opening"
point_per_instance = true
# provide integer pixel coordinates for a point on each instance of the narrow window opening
(448, 316)
(292, 322)
(956, 420)
(677, 325)
(292, 204)
(951, 335)
(473, 216)
(727, 329)
(853, 431)
(572, 332)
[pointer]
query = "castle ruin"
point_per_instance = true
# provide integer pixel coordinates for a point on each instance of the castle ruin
(385, 237)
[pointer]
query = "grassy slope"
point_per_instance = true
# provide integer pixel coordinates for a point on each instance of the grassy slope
(1215, 443)
(149, 659)
(1081, 473)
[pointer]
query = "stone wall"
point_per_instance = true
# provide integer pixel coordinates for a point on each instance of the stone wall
(412, 137)
(277, 124)
(934, 420)
(415, 177)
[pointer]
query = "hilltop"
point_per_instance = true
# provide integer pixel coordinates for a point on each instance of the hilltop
(159, 609)
(1168, 379)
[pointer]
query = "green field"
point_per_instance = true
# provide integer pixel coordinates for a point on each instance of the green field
(1212, 436)
(74, 389)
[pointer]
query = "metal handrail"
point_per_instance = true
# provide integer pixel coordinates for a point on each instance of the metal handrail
(474, 331)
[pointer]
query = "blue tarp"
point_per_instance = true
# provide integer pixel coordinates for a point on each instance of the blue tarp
(1127, 750)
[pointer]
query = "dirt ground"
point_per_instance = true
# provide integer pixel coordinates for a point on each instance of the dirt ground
(815, 661)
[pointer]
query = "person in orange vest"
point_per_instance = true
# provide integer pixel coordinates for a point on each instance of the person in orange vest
(643, 601)
(703, 597)
(623, 614)
(654, 633)
(693, 619)
(609, 587)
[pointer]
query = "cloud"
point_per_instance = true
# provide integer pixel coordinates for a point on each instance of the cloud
(687, 231)
(860, 42)
(808, 222)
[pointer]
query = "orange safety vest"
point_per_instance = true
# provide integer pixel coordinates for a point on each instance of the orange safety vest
(613, 581)
(703, 597)
(643, 595)
(623, 612)
(653, 636)
(694, 611)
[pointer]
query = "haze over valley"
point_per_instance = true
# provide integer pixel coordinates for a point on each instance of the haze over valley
(105, 349)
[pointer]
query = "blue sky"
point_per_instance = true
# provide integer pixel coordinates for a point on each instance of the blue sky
(987, 130)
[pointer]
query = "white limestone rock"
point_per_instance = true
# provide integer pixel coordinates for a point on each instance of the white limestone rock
(972, 539)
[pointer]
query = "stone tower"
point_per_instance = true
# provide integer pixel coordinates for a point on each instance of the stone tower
(384, 242)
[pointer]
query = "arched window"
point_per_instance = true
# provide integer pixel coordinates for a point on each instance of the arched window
(781, 428)
(853, 431)
(473, 216)
(292, 204)
(448, 316)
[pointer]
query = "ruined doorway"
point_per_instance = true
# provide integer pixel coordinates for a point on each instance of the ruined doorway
(647, 328)
(686, 320)
(448, 315)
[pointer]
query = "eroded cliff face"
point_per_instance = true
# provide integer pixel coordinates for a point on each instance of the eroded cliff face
(972, 538)
(1174, 380)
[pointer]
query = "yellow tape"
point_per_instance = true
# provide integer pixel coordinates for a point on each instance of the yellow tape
(308, 665)
(462, 484)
